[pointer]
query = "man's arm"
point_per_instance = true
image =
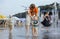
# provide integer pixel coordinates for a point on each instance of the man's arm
(36, 11)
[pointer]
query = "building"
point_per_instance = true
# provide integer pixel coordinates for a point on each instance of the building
(21, 15)
(53, 8)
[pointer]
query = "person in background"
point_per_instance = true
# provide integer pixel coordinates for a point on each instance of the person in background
(21, 23)
(51, 17)
(46, 21)
(10, 24)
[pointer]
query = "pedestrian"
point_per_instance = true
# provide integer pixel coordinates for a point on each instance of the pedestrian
(51, 18)
(46, 22)
(20, 23)
(10, 24)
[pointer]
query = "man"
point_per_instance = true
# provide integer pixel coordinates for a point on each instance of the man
(33, 12)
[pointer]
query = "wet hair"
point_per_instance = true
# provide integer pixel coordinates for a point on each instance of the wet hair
(50, 13)
(46, 13)
(32, 6)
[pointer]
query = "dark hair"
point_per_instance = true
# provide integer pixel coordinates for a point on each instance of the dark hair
(45, 13)
(21, 21)
(32, 6)
(50, 13)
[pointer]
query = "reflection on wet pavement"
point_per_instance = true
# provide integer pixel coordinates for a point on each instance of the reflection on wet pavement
(10, 35)
(27, 37)
(35, 37)
(45, 36)
(20, 33)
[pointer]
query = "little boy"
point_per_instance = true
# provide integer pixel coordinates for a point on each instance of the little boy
(35, 24)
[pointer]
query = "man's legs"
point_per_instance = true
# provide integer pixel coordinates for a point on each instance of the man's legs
(27, 29)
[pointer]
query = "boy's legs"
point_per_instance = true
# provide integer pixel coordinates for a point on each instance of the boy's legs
(35, 31)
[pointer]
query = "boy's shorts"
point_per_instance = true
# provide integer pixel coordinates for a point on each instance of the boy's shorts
(35, 25)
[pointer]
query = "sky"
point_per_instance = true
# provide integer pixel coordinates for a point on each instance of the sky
(10, 7)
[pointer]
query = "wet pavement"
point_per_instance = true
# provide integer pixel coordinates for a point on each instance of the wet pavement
(20, 33)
